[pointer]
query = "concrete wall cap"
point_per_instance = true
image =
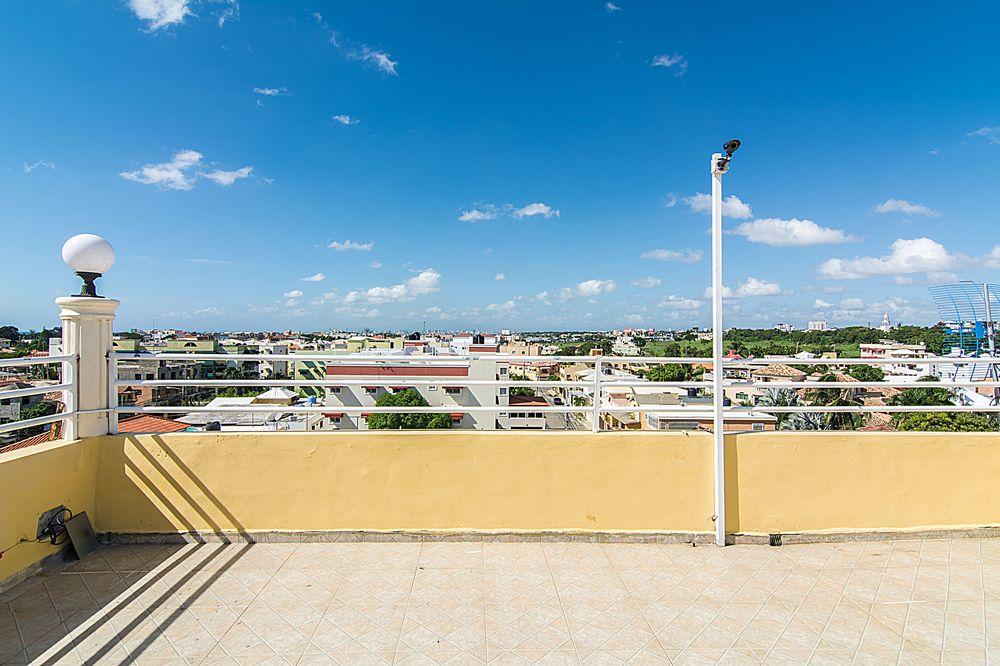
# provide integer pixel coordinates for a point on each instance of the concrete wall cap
(85, 305)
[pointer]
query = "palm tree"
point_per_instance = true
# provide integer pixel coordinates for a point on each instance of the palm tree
(836, 397)
(790, 420)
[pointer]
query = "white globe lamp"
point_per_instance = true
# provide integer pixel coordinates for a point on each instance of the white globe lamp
(90, 257)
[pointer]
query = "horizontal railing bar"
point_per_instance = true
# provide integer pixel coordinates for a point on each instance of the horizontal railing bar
(394, 358)
(374, 381)
(35, 360)
(882, 384)
(37, 421)
(34, 390)
(541, 383)
(925, 360)
(279, 409)
(867, 408)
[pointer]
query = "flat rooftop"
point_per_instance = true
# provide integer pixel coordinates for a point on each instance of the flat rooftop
(887, 602)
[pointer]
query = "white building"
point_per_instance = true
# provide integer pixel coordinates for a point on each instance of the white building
(818, 325)
(442, 385)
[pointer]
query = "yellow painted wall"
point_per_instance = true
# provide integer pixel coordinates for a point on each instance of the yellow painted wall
(412, 481)
(36, 479)
(627, 481)
(790, 482)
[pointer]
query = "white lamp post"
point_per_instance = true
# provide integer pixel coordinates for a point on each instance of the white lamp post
(87, 325)
(719, 166)
(89, 256)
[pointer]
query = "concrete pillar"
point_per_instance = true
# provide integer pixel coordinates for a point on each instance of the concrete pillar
(86, 332)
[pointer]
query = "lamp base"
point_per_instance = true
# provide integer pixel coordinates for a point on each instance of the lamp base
(88, 288)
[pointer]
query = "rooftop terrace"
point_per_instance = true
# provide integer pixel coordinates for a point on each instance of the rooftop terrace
(513, 602)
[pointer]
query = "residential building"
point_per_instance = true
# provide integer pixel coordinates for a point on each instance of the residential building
(447, 388)
(818, 325)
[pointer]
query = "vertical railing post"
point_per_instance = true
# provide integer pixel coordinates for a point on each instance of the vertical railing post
(718, 420)
(69, 374)
(112, 393)
(597, 396)
(87, 324)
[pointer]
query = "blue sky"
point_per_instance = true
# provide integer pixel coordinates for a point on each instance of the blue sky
(514, 165)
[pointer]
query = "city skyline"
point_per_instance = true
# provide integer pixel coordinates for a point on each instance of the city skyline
(311, 166)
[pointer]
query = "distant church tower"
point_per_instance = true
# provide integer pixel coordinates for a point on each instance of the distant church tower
(886, 325)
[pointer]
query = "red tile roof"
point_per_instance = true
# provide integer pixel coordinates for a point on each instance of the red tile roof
(50, 435)
(147, 423)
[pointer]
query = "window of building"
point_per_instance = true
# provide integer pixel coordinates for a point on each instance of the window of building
(742, 396)
(503, 370)
(503, 390)
(371, 389)
(452, 390)
(683, 425)
(334, 389)
(758, 427)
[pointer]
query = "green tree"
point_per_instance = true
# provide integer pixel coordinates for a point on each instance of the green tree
(10, 332)
(669, 372)
(408, 398)
(866, 373)
(836, 397)
(790, 420)
(43, 408)
(936, 421)
(520, 390)
(945, 422)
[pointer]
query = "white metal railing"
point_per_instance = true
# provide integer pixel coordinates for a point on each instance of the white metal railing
(597, 389)
(67, 386)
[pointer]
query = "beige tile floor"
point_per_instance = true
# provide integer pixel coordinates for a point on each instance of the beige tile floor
(935, 601)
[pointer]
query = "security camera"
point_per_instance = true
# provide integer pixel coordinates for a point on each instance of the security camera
(731, 146)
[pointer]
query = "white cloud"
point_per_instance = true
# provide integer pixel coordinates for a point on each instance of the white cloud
(271, 92)
(934, 151)
(543, 297)
(991, 134)
(217, 262)
(853, 304)
(28, 168)
(172, 175)
(375, 264)
(345, 119)
(358, 51)
(595, 287)
(820, 303)
(506, 307)
(427, 281)
(533, 209)
(499, 277)
(478, 215)
(647, 282)
(678, 303)
(906, 256)
(993, 258)
(670, 201)
(748, 288)
(231, 11)
(732, 206)
(380, 59)
(294, 293)
(905, 207)
(611, 7)
(672, 61)
(785, 233)
(683, 256)
(227, 178)
(318, 277)
(360, 313)
(351, 245)
(160, 13)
